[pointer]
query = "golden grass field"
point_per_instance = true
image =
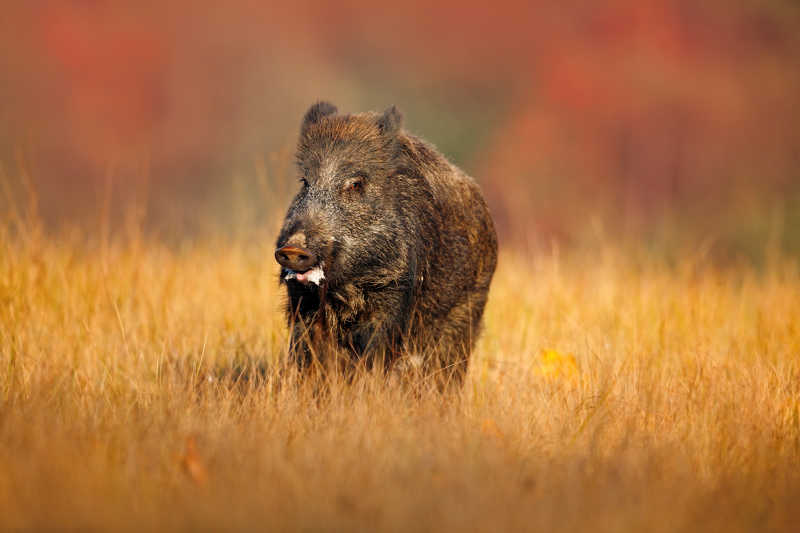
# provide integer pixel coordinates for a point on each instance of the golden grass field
(609, 392)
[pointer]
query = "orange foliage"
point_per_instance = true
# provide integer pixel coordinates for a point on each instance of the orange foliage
(648, 105)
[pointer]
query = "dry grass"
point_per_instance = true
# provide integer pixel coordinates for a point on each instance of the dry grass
(138, 390)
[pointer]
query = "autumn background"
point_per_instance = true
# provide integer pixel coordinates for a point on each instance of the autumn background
(635, 118)
(640, 365)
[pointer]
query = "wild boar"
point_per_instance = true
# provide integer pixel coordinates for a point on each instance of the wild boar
(388, 249)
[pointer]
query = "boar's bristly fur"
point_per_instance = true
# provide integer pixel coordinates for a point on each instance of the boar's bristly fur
(400, 241)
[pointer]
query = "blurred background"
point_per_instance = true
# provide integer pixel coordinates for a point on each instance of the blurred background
(667, 124)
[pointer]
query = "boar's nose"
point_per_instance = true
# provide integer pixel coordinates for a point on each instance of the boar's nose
(293, 258)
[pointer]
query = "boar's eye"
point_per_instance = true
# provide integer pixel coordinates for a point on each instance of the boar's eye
(304, 182)
(354, 184)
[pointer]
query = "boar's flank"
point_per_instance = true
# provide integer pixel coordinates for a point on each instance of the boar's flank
(388, 249)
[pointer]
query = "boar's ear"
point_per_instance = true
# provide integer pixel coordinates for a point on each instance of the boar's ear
(315, 113)
(390, 121)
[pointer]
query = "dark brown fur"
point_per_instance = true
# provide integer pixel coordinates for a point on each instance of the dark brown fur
(408, 255)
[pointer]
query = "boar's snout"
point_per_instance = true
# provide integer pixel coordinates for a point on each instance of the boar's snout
(294, 258)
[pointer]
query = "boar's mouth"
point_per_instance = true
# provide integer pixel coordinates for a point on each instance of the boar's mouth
(306, 266)
(315, 275)
(300, 264)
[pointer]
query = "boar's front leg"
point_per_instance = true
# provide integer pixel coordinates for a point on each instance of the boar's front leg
(310, 341)
(377, 335)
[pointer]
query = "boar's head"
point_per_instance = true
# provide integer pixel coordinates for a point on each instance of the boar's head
(348, 221)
